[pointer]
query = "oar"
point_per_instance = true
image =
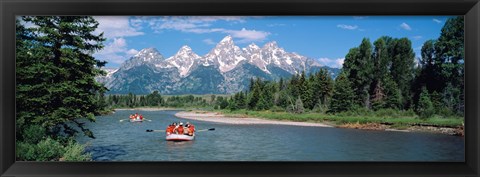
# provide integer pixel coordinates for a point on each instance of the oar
(210, 129)
(123, 120)
(147, 119)
(148, 130)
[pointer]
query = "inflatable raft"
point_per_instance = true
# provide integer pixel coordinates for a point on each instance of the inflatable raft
(177, 137)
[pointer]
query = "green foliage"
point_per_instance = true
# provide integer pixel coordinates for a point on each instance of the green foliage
(442, 69)
(51, 150)
(33, 134)
(425, 107)
(55, 73)
(343, 96)
(45, 150)
(75, 152)
(359, 67)
(402, 69)
(392, 93)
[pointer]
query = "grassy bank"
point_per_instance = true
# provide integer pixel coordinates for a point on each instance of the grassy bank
(398, 120)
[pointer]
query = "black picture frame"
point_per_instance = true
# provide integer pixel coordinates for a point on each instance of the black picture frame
(10, 8)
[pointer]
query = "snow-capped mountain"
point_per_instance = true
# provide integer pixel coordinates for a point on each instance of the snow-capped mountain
(183, 60)
(225, 55)
(145, 56)
(225, 69)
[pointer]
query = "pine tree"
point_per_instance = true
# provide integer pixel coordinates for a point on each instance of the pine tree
(392, 93)
(402, 69)
(425, 107)
(359, 66)
(380, 71)
(342, 98)
(450, 53)
(60, 50)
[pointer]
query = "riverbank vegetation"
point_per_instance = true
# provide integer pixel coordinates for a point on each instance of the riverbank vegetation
(55, 86)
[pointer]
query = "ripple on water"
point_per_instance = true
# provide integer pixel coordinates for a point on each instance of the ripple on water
(125, 141)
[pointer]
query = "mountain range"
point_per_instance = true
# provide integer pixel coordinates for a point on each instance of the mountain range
(226, 69)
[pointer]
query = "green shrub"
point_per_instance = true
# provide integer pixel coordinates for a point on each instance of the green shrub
(320, 109)
(25, 151)
(387, 113)
(75, 152)
(425, 106)
(48, 150)
(45, 150)
(277, 109)
(33, 134)
(51, 150)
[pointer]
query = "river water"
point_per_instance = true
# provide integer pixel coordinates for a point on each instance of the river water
(126, 141)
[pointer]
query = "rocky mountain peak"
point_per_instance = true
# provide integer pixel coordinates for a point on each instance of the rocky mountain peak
(226, 39)
(271, 45)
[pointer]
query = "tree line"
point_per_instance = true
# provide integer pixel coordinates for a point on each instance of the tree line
(155, 99)
(382, 75)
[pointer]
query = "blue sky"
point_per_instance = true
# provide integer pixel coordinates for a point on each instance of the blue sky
(325, 38)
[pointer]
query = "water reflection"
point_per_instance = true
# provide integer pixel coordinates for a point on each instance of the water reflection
(106, 153)
(179, 145)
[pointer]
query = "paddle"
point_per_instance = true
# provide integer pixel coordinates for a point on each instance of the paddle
(148, 130)
(210, 129)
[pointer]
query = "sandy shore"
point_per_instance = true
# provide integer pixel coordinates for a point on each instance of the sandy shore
(147, 109)
(215, 117)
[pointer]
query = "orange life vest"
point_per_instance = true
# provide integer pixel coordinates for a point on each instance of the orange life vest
(169, 129)
(180, 130)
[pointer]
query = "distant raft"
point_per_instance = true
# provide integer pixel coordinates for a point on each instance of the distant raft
(136, 120)
(177, 137)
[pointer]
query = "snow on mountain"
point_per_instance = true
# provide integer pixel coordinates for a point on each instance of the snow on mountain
(253, 53)
(145, 56)
(225, 69)
(225, 55)
(183, 60)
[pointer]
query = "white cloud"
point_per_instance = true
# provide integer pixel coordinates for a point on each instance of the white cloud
(437, 20)
(201, 25)
(246, 36)
(131, 52)
(334, 63)
(347, 27)
(405, 26)
(209, 41)
(417, 37)
(115, 51)
(117, 26)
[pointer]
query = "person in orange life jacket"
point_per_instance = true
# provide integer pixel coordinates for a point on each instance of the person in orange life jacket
(180, 129)
(170, 129)
(132, 116)
(175, 127)
(185, 130)
(191, 129)
(136, 116)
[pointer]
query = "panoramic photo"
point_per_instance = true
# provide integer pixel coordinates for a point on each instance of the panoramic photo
(240, 88)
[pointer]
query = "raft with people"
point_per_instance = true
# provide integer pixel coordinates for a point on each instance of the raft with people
(136, 118)
(179, 132)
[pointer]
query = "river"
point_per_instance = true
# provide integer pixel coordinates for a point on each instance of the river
(126, 141)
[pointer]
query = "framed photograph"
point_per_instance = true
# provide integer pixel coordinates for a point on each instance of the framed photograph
(251, 88)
